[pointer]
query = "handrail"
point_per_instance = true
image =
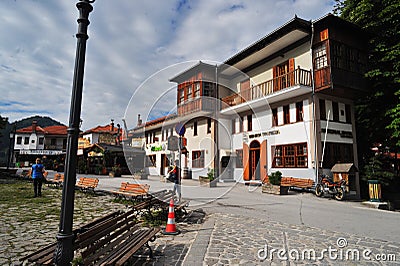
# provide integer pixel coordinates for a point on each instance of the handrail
(296, 77)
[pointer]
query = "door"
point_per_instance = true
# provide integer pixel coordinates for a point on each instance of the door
(255, 160)
(163, 164)
(284, 75)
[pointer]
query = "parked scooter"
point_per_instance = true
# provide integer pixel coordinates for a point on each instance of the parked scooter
(328, 186)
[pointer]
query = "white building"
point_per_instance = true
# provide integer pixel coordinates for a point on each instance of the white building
(285, 103)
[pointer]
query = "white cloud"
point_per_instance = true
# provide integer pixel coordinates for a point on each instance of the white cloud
(128, 42)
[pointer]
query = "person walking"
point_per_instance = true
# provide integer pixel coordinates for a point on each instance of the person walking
(38, 173)
(177, 180)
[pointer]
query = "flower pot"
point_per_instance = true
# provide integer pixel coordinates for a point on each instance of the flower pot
(274, 189)
(205, 181)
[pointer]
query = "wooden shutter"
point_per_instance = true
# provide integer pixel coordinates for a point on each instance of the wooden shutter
(246, 163)
(263, 161)
(245, 89)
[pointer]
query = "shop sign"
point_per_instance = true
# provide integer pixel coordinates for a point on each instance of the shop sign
(41, 152)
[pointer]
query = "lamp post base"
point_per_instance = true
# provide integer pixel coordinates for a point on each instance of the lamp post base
(64, 252)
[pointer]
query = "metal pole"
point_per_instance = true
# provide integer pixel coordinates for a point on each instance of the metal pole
(64, 252)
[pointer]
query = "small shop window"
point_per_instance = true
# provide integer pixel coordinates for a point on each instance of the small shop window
(19, 140)
(249, 123)
(26, 140)
(286, 114)
(299, 111)
(274, 117)
(198, 159)
(290, 156)
(41, 141)
(208, 125)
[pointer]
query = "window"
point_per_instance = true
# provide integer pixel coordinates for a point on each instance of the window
(239, 158)
(19, 140)
(197, 90)
(335, 111)
(208, 89)
(337, 153)
(299, 111)
(286, 114)
(240, 124)
(290, 156)
(195, 128)
(233, 126)
(320, 57)
(249, 123)
(189, 92)
(274, 117)
(64, 144)
(208, 125)
(41, 141)
(181, 95)
(348, 113)
(151, 160)
(322, 109)
(26, 140)
(197, 159)
(53, 142)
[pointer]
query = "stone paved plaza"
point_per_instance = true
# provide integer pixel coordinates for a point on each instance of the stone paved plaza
(237, 240)
(218, 236)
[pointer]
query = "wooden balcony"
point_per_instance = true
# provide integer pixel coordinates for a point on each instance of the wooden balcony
(294, 78)
(196, 105)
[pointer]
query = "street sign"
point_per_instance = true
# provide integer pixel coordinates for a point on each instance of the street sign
(180, 129)
(173, 143)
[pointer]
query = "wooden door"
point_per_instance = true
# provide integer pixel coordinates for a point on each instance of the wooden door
(255, 160)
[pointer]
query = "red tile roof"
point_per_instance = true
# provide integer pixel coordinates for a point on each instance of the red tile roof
(28, 130)
(56, 130)
(102, 129)
(51, 130)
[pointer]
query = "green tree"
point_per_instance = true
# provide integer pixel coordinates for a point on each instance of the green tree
(378, 112)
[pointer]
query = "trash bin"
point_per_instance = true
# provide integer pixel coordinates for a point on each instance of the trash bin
(374, 191)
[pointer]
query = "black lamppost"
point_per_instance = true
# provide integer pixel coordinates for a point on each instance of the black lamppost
(64, 252)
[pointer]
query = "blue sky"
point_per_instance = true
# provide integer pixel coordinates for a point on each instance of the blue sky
(129, 41)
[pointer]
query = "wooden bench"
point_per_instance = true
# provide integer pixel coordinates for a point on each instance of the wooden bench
(57, 181)
(109, 240)
(133, 191)
(44, 256)
(297, 182)
(87, 183)
(164, 198)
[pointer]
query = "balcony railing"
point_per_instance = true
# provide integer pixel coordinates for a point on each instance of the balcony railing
(296, 77)
(196, 105)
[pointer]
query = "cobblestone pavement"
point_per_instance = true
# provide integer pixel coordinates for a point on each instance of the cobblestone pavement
(21, 235)
(237, 240)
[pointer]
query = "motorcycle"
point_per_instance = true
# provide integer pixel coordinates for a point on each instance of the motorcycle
(328, 186)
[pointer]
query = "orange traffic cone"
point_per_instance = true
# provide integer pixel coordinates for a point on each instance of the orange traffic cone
(170, 229)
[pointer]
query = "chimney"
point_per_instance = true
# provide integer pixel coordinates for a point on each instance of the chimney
(112, 124)
(139, 121)
(34, 125)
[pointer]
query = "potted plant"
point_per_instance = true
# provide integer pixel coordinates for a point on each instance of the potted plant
(141, 174)
(208, 180)
(115, 171)
(273, 186)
